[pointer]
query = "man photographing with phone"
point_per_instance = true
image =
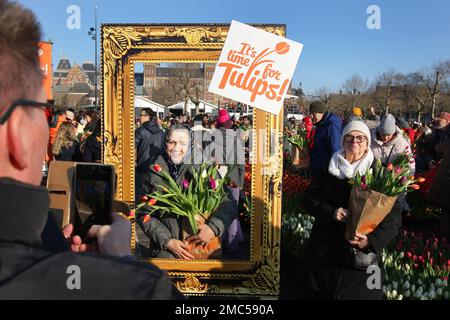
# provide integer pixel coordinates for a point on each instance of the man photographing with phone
(27, 270)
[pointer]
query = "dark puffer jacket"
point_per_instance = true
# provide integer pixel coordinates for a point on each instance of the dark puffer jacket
(149, 142)
(327, 140)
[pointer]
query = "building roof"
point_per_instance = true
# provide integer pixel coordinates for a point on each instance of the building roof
(64, 64)
(88, 66)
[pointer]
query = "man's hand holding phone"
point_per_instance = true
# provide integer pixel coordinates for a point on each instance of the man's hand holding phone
(113, 240)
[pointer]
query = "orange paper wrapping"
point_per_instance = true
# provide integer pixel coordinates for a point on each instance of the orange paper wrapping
(367, 209)
(212, 250)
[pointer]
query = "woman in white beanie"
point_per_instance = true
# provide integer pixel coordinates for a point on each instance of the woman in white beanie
(335, 268)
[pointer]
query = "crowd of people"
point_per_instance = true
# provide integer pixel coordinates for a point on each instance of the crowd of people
(75, 137)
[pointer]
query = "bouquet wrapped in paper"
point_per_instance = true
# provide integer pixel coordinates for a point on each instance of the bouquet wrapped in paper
(300, 151)
(194, 201)
(374, 194)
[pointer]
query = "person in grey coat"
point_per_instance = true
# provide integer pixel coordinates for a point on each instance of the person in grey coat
(165, 231)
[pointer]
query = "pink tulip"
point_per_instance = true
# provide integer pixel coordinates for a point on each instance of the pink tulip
(212, 183)
(185, 184)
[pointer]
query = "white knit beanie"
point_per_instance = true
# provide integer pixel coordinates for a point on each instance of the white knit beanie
(356, 125)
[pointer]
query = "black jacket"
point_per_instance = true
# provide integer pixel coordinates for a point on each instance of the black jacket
(72, 153)
(149, 142)
(168, 225)
(93, 147)
(328, 258)
(29, 271)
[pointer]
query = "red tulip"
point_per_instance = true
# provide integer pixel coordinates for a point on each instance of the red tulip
(415, 186)
(409, 254)
(390, 166)
(151, 202)
(157, 168)
(147, 218)
(421, 180)
(282, 47)
(144, 198)
(132, 214)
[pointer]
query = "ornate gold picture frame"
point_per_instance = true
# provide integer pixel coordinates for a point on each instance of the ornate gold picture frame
(123, 45)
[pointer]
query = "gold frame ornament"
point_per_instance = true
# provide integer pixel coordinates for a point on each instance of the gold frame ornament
(122, 46)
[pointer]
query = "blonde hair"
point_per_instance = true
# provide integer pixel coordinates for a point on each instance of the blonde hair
(65, 137)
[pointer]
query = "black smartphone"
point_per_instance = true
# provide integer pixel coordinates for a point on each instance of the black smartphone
(94, 194)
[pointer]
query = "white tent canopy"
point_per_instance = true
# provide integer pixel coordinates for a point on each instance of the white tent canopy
(141, 102)
(204, 106)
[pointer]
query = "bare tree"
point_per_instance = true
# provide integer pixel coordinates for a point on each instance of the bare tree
(325, 95)
(433, 82)
(387, 86)
(352, 89)
(185, 86)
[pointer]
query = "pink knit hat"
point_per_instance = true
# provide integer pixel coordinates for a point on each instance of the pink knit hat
(223, 118)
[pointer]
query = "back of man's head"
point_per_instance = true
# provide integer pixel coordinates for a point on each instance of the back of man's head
(22, 146)
(149, 113)
(198, 117)
(20, 74)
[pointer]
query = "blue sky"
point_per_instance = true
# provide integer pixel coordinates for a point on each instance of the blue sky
(337, 42)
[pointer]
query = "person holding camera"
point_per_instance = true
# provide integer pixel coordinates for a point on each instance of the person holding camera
(28, 270)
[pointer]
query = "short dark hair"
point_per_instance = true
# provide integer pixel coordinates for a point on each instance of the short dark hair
(20, 72)
(92, 114)
(149, 113)
(199, 117)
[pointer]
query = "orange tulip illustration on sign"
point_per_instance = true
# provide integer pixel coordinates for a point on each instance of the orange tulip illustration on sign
(255, 67)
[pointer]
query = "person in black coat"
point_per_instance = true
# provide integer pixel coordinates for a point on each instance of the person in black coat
(332, 266)
(149, 142)
(92, 151)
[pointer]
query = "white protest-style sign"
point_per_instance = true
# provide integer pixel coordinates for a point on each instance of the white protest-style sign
(255, 67)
